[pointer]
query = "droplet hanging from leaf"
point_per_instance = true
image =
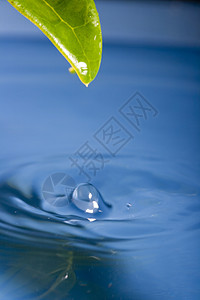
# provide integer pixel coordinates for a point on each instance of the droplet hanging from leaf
(73, 27)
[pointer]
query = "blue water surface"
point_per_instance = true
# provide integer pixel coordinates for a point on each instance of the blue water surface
(145, 244)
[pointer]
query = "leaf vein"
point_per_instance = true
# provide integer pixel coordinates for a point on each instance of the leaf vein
(70, 28)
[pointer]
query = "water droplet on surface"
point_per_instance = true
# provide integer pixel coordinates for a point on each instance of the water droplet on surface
(88, 199)
(128, 205)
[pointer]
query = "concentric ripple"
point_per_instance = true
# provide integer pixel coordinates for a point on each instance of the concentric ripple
(42, 202)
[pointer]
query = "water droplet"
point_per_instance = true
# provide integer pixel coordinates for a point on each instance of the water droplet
(128, 205)
(88, 199)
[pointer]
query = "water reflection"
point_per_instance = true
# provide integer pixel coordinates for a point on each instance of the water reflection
(35, 273)
(63, 273)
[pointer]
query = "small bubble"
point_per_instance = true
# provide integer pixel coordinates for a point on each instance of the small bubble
(128, 205)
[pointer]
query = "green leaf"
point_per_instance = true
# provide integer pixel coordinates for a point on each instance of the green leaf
(73, 27)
